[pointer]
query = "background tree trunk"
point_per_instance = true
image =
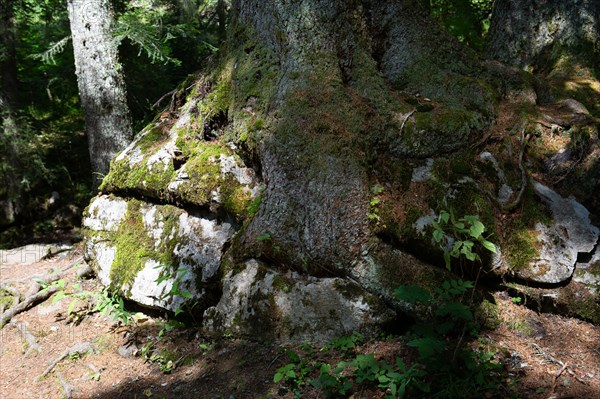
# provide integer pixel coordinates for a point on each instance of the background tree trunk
(10, 190)
(101, 85)
(8, 60)
(536, 34)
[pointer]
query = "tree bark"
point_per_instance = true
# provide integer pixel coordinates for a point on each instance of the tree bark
(101, 84)
(340, 70)
(10, 192)
(536, 34)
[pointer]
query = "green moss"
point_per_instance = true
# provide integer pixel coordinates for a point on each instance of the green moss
(152, 182)
(488, 314)
(520, 248)
(587, 308)
(134, 247)
(521, 243)
(283, 283)
(6, 299)
(151, 138)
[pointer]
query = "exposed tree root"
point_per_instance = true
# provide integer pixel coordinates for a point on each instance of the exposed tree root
(31, 299)
(80, 348)
(28, 337)
(84, 271)
(523, 140)
(15, 293)
(67, 388)
(34, 295)
(49, 277)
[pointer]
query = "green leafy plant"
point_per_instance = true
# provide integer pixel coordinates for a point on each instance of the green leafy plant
(105, 301)
(166, 361)
(374, 203)
(458, 237)
(294, 373)
(346, 344)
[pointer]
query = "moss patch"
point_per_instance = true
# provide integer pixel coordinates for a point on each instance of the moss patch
(134, 246)
(6, 299)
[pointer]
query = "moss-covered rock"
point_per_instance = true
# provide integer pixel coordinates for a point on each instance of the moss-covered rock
(172, 162)
(154, 254)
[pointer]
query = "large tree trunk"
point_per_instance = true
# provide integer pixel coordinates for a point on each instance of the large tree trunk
(361, 120)
(101, 85)
(342, 72)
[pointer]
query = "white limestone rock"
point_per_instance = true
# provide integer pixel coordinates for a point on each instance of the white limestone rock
(260, 302)
(131, 244)
(569, 234)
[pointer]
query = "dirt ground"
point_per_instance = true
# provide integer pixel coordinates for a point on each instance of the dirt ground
(545, 356)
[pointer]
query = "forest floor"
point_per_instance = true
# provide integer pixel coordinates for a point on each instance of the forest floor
(544, 355)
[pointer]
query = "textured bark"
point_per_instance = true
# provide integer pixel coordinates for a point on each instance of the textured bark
(10, 190)
(101, 85)
(341, 66)
(532, 33)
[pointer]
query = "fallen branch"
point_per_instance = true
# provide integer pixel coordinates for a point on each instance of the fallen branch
(558, 374)
(28, 337)
(27, 302)
(80, 348)
(67, 388)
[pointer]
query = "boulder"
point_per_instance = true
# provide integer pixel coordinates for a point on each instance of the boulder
(570, 233)
(260, 302)
(160, 256)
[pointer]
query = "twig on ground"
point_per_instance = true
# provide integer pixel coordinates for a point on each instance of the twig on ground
(67, 388)
(405, 119)
(79, 348)
(28, 337)
(558, 374)
(540, 352)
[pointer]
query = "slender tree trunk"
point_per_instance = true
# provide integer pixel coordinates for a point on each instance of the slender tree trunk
(101, 84)
(10, 190)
